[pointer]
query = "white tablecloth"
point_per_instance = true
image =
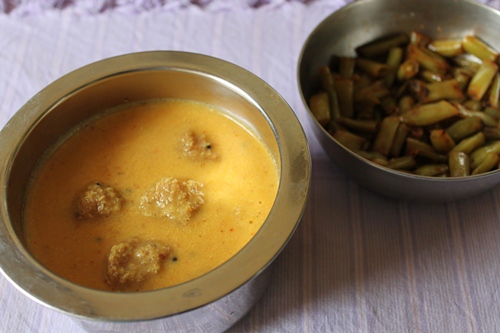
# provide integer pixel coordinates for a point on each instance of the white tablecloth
(358, 262)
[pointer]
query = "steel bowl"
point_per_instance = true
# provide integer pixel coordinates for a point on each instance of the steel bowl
(210, 303)
(363, 21)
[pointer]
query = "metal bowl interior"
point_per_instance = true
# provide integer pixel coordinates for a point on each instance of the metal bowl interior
(135, 77)
(366, 20)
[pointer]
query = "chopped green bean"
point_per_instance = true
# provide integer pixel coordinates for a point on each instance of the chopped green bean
(394, 59)
(491, 133)
(344, 89)
(459, 164)
(432, 92)
(399, 139)
(432, 170)
(464, 128)
(471, 143)
(419, 148)
(477, 47)
(372, 93)
(406, 103)
(419, 39)
(472, 105)
(481, 80)
(407, 70)
(462, 76)
(426, 60)
(493, 112)
(494, 93)
(441, 140)
(406, 162)
(378, 47)
(430, 77)
(477, 156)
(447, 47)
(320, 108)
(373, 156)
(328, 87)
(463, 80)
(486, 118)
(385, 136)
(467, 62)
(372, 68)
(489, 162)
(359, 125)
(346, 67)
(427, 114)
(348, 139)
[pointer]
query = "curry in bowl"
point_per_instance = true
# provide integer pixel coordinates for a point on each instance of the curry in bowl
(150, 195)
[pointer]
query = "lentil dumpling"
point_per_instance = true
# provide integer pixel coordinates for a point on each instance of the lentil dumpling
(173, 198)
(131, 262)
(97, 200)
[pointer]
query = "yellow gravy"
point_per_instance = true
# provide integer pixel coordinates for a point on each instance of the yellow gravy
(130, 151)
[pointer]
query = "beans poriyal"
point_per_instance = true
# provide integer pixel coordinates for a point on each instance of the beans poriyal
(409, 103)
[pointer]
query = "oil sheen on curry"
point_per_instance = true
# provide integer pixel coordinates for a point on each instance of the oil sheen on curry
(149, 196)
